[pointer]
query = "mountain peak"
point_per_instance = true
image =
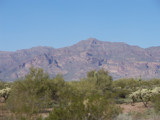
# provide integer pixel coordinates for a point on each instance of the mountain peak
(92, 39)
(89, 41)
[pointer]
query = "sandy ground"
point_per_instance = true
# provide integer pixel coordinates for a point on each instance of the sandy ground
(137, 107)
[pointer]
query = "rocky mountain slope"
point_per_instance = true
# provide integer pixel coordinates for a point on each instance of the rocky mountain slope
(120, 59)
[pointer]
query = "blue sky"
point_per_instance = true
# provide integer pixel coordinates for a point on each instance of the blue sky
(59, 23)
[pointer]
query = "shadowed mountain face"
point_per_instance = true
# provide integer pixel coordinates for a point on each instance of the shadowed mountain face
(120, 59)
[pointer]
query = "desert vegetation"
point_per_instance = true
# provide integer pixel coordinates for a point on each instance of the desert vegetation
(37, 96)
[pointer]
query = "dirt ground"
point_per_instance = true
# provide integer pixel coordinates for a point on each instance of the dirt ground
(137, 107)
(5, 113)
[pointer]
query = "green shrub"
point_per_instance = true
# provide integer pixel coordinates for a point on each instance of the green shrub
(156, 103)
(91, 108)
(30, 94)
(126, 84)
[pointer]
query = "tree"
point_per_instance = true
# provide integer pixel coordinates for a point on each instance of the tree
(32, 93)
(104, 80)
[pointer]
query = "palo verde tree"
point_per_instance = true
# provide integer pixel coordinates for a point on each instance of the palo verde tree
(103, 81)
(32, 93)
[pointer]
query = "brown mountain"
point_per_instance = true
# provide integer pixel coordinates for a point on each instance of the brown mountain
(120, 59)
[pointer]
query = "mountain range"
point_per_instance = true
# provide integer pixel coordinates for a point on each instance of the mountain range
(120, 59)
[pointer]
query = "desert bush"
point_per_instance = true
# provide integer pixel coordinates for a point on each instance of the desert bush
(5, 93)
(154, 82)
(142, 94)
(101, 79)
(156, 103)
(121, 93)
(84, 87)
(104, 80)
(145, 95)
(126, 84)
(3, 85)
(91, 108)
(32, 93)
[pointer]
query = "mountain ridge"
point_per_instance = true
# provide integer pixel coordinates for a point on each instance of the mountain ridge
(120, 59)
